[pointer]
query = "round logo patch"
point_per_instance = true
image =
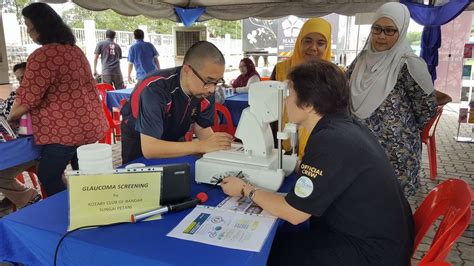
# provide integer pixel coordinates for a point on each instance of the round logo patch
(303, 187)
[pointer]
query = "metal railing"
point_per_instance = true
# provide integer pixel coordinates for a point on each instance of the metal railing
(25, 38)
(164, 43)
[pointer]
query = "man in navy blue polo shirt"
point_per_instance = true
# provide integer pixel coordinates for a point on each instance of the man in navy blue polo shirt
(167, 102)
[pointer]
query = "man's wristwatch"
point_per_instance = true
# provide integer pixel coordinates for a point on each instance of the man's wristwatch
(252, 193)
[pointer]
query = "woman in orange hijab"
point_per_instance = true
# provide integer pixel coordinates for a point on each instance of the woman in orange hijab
(313, 42)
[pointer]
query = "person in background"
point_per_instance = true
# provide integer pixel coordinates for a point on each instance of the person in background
(60, 96)
(6, 106)
(248, 75)
(345, 185)
(166, 103)
(14, 191)
(313, 42)
(392, 92)
(110, 55)
(143, 56)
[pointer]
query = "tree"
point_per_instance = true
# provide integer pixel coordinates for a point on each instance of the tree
(14, 6)
(109, 19)
(7, 6)
(218, 28)
(414, 38)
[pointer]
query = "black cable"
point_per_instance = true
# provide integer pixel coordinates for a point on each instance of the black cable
(82, 227)
(90, 226)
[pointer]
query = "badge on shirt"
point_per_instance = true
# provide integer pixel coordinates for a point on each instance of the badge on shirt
(303, 187)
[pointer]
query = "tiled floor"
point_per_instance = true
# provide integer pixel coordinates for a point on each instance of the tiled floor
(455, 160)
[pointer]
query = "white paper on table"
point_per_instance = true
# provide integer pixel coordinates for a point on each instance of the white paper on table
(242, 204)
(224, 228)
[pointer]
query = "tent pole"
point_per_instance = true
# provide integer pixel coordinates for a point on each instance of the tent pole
(357, 43)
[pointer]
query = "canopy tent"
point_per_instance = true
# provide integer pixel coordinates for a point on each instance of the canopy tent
(231, 9)
(189, 11)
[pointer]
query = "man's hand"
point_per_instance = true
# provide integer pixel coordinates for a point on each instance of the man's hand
(232, 186)
(217, 141)
(16, 112)
(129, 72)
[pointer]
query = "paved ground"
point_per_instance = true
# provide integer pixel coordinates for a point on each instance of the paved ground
(455, 160)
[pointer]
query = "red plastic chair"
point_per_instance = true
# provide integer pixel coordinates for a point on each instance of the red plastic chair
(451, 199)
(114, 127)
(229, 126)
(116, 110)
(103, 88)
(428, 137)
(114, 124)
(189, 135)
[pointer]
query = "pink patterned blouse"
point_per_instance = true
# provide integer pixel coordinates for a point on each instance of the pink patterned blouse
(59, 90)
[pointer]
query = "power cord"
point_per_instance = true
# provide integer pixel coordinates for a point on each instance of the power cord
(214, 186)
(72, 231)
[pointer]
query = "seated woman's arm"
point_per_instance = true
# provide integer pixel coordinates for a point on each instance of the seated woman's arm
(252, 79)
(17, 111)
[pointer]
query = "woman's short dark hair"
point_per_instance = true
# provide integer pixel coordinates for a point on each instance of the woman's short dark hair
(19, 66)
(48, 24)
(321, 85)
(138, 34)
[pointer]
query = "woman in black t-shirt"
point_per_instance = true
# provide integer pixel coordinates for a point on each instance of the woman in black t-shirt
(346, 186)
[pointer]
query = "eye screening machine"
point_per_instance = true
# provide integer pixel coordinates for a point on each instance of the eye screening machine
(255, 160)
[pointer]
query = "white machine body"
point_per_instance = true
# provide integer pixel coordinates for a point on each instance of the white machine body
(255, 160)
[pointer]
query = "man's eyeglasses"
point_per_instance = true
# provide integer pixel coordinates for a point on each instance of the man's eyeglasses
(387, 31)
(207, 84)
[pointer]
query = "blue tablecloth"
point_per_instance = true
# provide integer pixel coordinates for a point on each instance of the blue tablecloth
(30, 236)
(236, 104)
(18, 151)
(113, 98)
